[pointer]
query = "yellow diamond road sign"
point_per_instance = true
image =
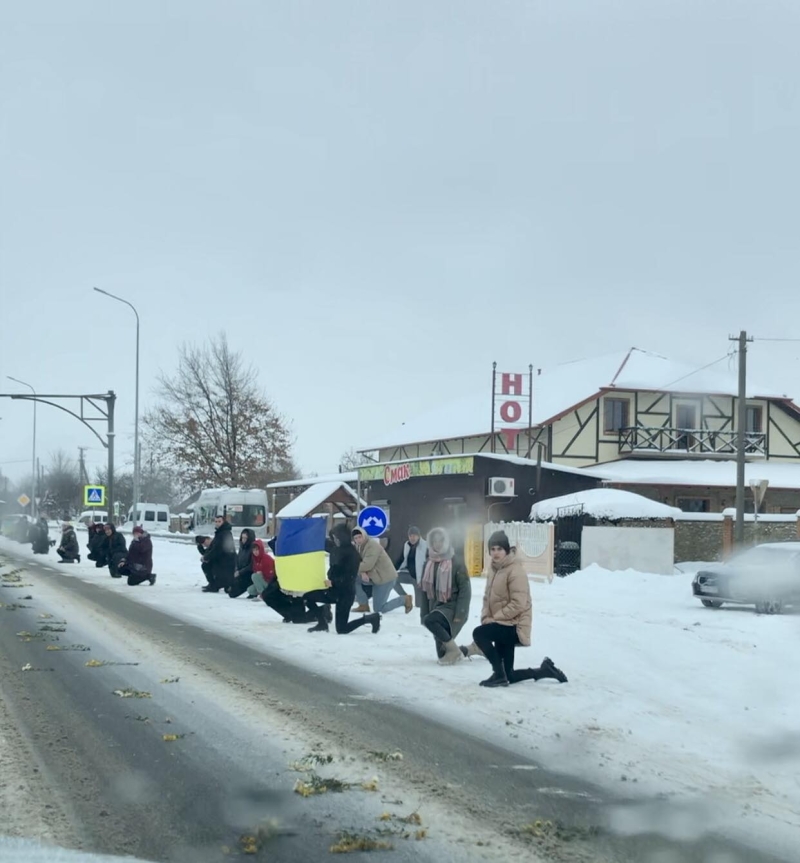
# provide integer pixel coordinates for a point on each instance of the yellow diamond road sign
(23, 500)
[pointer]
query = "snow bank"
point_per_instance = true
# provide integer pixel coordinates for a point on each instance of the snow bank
(604, 503)
(664, 697)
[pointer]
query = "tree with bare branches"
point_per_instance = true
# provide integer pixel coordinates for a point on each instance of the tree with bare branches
(62, 488)
(215, 426)
(352, 459)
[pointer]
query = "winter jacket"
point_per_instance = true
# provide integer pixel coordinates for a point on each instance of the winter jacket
(40, 537)
(114, 547)
(221, 555)
(263, 562)
(507, 599)
(344, 563)
(375, 562)
(244, 556)
(96, 540)
(419, 557)
(456, 609)
(141, 553)
(69, 543)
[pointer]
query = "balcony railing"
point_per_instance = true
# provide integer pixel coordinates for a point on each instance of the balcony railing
(688, 442)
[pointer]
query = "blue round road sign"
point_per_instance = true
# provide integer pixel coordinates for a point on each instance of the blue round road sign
(373, 521)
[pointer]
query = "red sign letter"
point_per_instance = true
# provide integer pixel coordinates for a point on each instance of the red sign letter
(510, 436)
(511, 384)
(510, 412)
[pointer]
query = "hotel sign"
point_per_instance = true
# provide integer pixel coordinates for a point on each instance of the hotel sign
(391, 474)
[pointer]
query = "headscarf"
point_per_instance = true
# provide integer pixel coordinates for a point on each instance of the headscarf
(440, 585)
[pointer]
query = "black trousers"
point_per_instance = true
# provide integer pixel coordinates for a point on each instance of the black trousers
(240, 585)
(343, 598)
(215, 583)
(497, 643)
(291, 608)
(67, 558)
(136, 574)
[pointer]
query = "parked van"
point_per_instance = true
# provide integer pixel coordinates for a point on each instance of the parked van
(151, 516)
(242, 507)
(93, 516)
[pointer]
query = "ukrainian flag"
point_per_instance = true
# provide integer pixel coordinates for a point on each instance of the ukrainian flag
(300, 554)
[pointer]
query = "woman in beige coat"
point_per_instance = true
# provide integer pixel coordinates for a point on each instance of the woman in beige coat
(506, 618)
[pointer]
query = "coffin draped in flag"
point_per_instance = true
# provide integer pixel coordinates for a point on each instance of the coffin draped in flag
(300, 554)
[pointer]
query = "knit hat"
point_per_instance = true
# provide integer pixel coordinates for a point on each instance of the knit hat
(414, 531)
(499, 538)
(138, 529)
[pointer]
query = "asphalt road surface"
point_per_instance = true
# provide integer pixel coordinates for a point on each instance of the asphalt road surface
(99, 771)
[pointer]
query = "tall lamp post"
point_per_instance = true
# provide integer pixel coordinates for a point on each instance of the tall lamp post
(33, 461)
(136, 417)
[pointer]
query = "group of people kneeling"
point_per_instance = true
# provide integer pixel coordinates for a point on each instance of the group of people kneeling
(107, 547)
(361, 571)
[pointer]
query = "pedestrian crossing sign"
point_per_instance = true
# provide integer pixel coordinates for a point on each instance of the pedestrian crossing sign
(94, 495)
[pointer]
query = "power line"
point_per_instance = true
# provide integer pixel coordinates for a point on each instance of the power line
(696, 371)
(758, 339)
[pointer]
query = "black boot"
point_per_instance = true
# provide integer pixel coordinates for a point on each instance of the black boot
(322, 626)
(375, 620)
(552, 671)
(152, 579)
(328, 614)
(497, 679)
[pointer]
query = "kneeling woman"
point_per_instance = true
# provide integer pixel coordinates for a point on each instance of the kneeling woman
(445, 593)
(506, 618)
(341, 589)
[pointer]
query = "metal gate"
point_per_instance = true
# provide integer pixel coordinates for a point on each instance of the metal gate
(569, 527)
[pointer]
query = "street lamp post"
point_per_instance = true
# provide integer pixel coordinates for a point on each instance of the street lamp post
(33, 460)
(136, 417)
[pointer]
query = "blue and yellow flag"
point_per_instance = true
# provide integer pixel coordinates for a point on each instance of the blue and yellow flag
(300, 554)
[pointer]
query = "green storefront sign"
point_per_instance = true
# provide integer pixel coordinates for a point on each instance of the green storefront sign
(391, 474)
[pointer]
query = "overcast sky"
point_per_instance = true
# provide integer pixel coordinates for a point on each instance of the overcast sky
(375, 200)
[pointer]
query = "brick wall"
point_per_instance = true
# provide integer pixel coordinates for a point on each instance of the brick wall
(698, 540)
(712, 538)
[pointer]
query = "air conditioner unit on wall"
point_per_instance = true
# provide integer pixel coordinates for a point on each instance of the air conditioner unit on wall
(501, 486)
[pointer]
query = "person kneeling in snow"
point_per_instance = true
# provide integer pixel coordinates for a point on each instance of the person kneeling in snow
(68, 550)
(263, 567)
(95, 541)
(341, 587)
(376, 570)
(506, 618)
(243, 574)
(112, 551)
(40, 537)
(445, 594)
(138, 563)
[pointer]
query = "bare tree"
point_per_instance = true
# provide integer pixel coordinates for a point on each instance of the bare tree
(214, 426)
(62, 484)
(352, 459)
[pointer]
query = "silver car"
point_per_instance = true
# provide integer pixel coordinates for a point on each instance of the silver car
(767, 576)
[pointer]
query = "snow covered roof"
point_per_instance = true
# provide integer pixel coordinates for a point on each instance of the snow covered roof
(561, 388)
(350, 476)
(696, 473)
(604, 503)
(315, 496)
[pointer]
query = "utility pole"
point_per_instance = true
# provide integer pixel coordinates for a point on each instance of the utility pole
(741, 435)
(82, 463)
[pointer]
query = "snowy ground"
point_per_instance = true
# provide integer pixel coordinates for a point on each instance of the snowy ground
(665, 697)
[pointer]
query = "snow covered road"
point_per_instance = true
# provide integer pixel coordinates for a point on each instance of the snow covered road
(667, 701)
